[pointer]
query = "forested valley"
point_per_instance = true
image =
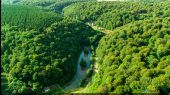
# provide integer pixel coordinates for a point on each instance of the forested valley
(41, 41)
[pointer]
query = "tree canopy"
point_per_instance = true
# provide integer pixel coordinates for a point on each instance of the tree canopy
(35, 60)
(134, 58)
(27, 17)
(41, 41)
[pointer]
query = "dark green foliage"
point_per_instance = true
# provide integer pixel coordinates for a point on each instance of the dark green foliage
(40, 49)
(27, 17)
(82, 82)
(58, 6)
(136, 62)
(35, 60)
(115, 14)
(83, 64)
(89, 72)
(4, 84)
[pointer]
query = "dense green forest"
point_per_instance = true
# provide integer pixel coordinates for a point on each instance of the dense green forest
(38, 59)
(41, 41)
(53, 5)
(134, 59)
(27, 17)
(111, 15)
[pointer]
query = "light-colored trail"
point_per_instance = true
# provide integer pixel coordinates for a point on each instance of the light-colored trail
(101, 29)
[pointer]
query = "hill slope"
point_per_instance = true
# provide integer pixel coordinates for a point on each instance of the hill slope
(110, 15)
(134, 59)
(35, 60)
(27, 17)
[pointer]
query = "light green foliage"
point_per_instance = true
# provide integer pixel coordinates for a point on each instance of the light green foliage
(111, 15)
(139, 70)
(40, 48)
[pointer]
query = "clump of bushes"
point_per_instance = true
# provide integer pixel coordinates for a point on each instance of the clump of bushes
(83, 65)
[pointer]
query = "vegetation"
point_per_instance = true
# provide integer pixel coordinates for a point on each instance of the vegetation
(115, 14)
(4, 84)
(83, 65)
(27, 17)
(35, 59)
(134, 59)
(58, 6)
(41, 41)
(53, 5)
